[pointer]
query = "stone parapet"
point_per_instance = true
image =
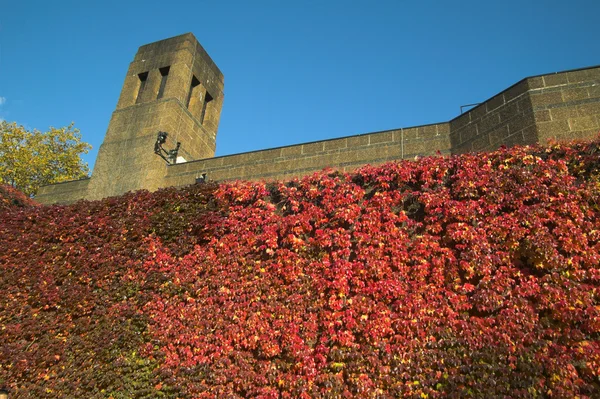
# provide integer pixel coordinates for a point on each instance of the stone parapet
(344, 154)
(558, 106)
(63, 193)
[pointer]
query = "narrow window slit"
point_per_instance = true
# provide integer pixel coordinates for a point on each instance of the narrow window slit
(164, 73)
(195, 82)
(207, 98)
(143, 78)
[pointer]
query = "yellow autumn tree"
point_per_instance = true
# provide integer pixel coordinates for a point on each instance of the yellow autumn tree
(30, 159)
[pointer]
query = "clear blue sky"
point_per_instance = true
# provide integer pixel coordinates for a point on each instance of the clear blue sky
(295, 71)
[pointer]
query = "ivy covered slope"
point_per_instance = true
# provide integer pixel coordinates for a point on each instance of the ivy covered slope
(11, 198)
(471, 276)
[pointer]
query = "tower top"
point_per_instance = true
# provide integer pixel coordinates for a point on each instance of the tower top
(186, 42)
(185, 61)
(172, 96)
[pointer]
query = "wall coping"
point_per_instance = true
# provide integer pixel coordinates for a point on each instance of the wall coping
(520, 82)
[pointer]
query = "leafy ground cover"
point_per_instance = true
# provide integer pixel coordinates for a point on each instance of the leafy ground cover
(470, 276)
(12, 198)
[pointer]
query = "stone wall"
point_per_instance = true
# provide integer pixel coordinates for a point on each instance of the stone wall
(344, 154)
(560, 106)
(171, 86)
(505, 119)
(63, 193)
(567, 105)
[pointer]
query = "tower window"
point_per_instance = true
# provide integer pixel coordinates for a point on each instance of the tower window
(164, 73)
(195, 82)
(143, 78)
(207, 98)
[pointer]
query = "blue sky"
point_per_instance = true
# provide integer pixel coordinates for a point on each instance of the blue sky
(295, 71)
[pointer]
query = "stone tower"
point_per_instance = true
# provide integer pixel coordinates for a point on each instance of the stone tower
(171, 86)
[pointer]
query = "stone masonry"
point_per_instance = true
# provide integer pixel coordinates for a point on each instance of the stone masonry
(166, 88)
(173, 86)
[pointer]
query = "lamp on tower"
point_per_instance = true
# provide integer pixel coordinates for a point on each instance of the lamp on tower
(170, 156)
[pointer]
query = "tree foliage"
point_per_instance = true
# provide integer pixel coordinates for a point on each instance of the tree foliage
(30, 159)
(470, 276)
